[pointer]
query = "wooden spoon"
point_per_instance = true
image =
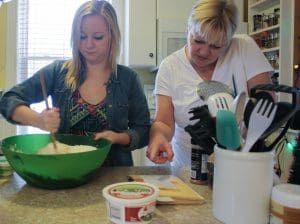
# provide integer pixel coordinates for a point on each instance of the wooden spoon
(43, 84)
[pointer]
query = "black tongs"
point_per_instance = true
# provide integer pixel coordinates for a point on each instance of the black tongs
(284, 114)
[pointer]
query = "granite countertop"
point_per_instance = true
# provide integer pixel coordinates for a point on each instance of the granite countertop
(21, 203)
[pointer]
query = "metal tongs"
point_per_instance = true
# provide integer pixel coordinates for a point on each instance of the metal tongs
(43, 84)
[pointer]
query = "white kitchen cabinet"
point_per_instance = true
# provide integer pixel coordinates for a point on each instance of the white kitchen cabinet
(140, 33)
(174, 9)
(274, 38)
(171, 36)
(146, 24)
(171, 25)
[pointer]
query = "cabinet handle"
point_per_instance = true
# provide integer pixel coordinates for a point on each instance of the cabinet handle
(151, 55)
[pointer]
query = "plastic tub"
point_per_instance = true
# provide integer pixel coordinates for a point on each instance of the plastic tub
(130, 202)
(285, 204)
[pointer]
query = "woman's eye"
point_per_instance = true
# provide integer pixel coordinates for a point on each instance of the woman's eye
(199, 41)
(215, 46)
(82, 37)
(98, 37)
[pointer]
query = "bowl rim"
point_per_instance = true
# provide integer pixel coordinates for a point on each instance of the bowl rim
(106, 144)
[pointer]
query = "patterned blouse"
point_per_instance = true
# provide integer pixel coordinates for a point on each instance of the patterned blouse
(87, 119)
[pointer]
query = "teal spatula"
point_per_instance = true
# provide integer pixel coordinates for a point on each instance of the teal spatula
(227, 131)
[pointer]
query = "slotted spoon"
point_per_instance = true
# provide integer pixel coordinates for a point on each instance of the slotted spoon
(219, 101)
(260, 119)
(217, 95)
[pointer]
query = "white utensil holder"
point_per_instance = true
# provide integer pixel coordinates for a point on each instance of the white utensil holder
(242, 186)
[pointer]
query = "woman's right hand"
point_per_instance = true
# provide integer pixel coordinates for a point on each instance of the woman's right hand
(49, 120)
(159, 150)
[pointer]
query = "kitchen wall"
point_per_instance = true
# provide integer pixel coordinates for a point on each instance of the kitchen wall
(2, 44)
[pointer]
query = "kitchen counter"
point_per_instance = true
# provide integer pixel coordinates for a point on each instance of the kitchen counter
(22, 203)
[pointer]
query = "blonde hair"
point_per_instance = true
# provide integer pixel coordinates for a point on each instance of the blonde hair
(77, 63)
(214, 20)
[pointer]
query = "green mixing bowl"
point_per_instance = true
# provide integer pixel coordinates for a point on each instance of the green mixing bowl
(54, 171)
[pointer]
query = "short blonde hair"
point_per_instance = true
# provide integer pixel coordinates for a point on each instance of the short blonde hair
(77, 63)
(214, 20)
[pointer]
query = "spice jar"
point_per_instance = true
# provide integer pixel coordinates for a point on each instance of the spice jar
(276, 15)
(257, 22)
(271, 19)
(276, 38)
(264, 40)
(270, 39)
(265, 21)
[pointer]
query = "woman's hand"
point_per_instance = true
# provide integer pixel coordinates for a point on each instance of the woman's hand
(49, 120)
(159, 150)
(113, 137)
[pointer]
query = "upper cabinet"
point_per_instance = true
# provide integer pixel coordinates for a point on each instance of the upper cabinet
(153, 29)
(271, 25)
(171, 26)
(140, 33)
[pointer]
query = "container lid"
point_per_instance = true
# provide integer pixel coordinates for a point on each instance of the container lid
(287, 195)
(131, 192)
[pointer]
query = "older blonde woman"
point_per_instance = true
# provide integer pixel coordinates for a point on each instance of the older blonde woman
(212, 52)
(91, 93)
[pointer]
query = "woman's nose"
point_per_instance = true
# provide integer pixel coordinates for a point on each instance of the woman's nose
(89, 43)
(204, 50)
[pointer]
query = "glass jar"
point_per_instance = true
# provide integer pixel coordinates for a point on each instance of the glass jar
(276, 16)
(271, 19)
(276, 38)
(257, 22)
(265, 20)
(264, 40)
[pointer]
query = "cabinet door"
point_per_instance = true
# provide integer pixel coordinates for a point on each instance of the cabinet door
(140, 33)
(171, 36)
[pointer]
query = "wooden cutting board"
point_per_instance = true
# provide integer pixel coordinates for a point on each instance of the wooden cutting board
(172, 189)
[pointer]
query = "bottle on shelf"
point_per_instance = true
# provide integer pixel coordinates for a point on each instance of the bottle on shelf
(276, 16)
(257, 22)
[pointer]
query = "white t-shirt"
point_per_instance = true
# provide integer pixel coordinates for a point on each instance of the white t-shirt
(177, 78)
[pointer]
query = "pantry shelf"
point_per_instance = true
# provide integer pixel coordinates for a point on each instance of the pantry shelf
(266, 50)
(263, 4)
(270, 28)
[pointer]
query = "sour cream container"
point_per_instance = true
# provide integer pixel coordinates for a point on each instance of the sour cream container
(130, 202)
(285, 204)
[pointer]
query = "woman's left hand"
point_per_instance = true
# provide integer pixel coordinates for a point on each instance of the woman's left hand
(113, 137)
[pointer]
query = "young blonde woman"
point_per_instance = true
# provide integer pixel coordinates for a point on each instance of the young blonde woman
(212, 52)
(91, 93)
